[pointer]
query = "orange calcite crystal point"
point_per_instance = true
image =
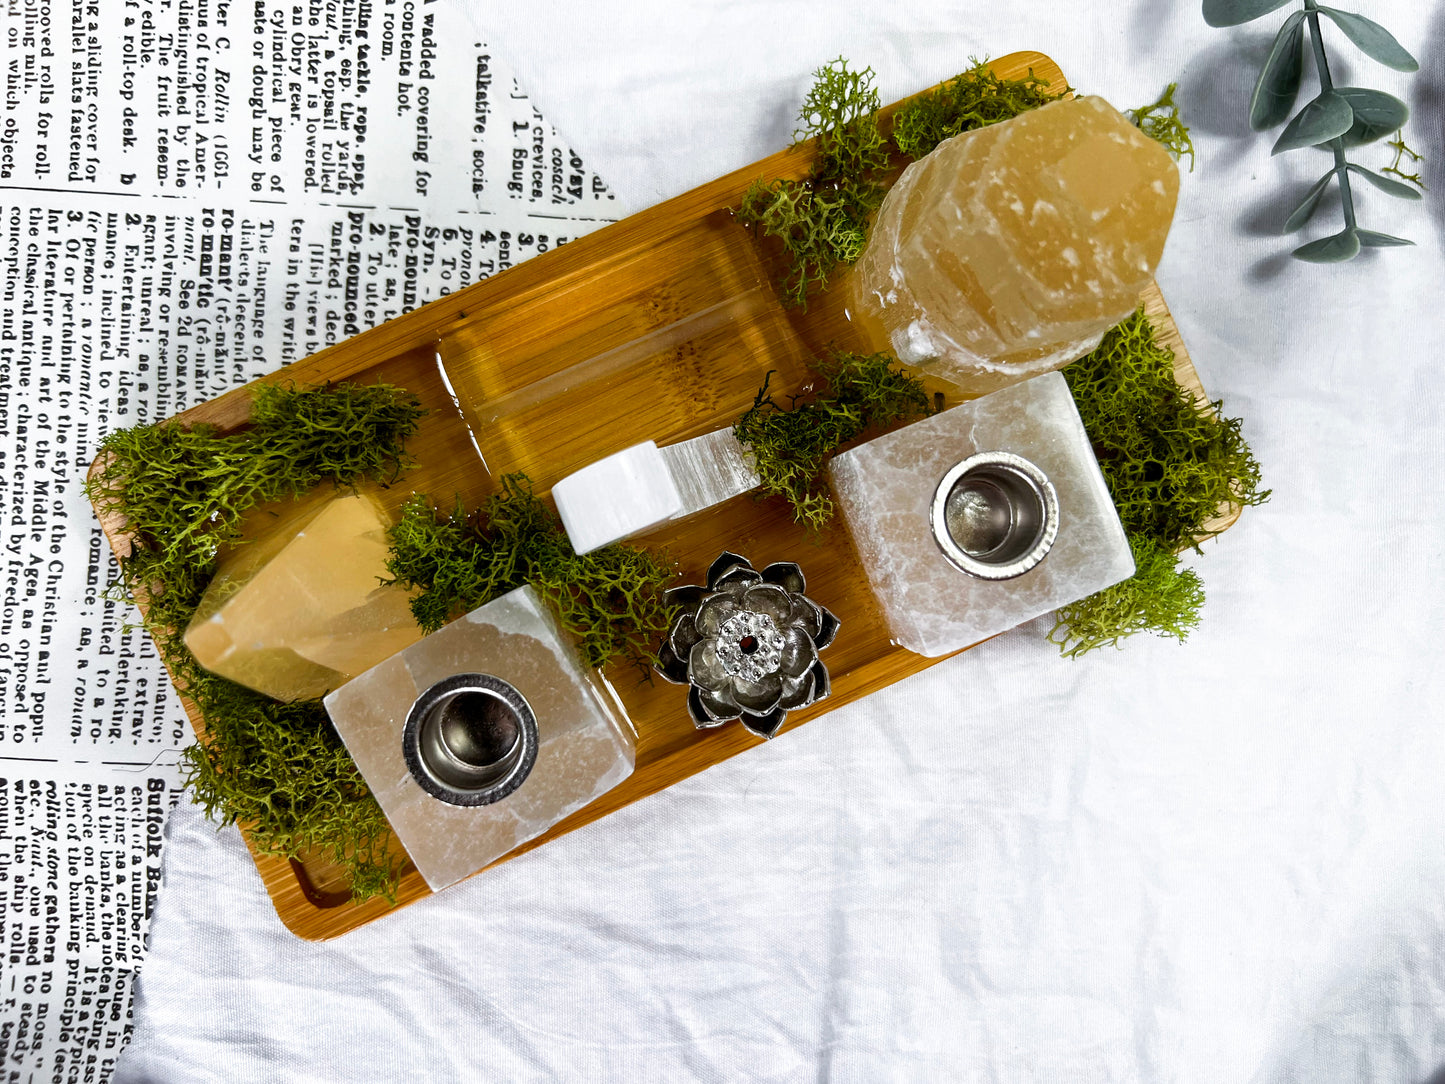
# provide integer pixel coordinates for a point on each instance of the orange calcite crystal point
(1010, 250)
(301, 610)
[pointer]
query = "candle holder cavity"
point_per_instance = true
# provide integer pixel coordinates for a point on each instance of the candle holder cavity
(470, 739)
(995, 515)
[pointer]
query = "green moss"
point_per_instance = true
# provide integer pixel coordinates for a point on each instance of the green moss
(823, 221)
(1161, 122)
(791, 445)
(282, 770)
(279, 768)
(973, 99)
(841, 113)
(611, 599)
(818, 228)
(1171, 462)
(1160, 598)
(183, 491)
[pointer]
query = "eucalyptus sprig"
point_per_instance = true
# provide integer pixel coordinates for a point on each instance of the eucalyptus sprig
(1338, 117)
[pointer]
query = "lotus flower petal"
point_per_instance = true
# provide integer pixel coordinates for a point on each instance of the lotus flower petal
(685, 597)
(671, 667)
(758, 697)
(700, 716)
(786, 575)
(797, 692)
(704, 667)
(799, 653)
(725, 562)
(769, 599)
(684, 635)
(765, 726)
(736, 580)
(713, 613)
(806, 615)
(827, 630)
(822, 685)
(719, 705)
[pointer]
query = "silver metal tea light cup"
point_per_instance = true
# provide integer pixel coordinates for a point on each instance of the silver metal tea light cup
(470, 739)
(995, 515)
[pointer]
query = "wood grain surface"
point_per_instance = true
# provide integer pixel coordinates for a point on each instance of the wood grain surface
(659, 327)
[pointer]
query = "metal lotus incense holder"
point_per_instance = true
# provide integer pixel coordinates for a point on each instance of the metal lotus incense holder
(747, 643)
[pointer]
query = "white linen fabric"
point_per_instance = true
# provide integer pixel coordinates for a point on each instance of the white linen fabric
(1217, 862)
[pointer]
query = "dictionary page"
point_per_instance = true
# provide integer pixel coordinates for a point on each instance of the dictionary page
(193, 193)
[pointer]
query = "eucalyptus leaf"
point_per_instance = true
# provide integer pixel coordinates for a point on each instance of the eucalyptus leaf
(1278, 84)
(1386, 184)
(1376, 113)
(1234, 12)
(1372, 39)
(1306, 209)
(1337, 248)
(1371, 239)
(1323, 119)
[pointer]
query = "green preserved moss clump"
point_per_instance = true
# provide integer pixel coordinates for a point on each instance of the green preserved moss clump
(282, 770)
(1171, 463)
(1160, 597)
(279, 768)
(822, 221)
(973, 99)
(791, 445)
(611, 599)
(1162, 123)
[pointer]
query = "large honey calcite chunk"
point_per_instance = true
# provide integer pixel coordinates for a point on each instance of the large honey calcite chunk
(300, 609)
(1010, 250)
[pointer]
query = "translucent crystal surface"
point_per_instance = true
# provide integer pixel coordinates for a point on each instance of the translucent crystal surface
(885, 489)
(1011, 249)
(298, 610)
(709, 469)
(585, 746)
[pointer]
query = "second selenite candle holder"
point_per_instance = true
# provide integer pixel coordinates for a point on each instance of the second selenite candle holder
(483, 735)
(982, 517)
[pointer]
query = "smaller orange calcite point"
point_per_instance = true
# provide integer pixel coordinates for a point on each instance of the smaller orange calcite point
(301, 610)
(1010, 250)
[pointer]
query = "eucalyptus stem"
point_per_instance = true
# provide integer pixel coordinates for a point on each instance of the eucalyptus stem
(1327, 85)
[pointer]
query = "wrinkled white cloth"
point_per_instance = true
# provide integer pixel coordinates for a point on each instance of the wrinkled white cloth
(1223, 862)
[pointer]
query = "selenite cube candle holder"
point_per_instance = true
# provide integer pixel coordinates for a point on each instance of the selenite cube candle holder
(955, 551)
(493, 690)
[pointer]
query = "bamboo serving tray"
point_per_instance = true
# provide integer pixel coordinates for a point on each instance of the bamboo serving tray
(659, 327)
